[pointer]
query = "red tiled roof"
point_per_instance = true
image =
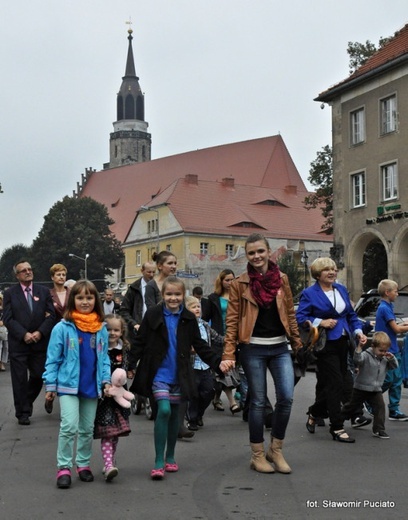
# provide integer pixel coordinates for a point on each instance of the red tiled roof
(263, 162)
(210, 207)
(394, 49)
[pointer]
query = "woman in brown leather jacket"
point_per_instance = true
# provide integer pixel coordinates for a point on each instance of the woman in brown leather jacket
(260, 318)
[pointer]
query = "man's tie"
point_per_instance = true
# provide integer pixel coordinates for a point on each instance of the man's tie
(29, 298)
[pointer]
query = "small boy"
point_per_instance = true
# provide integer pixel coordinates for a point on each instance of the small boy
(385, 321)
(372, 364)
(204, 377)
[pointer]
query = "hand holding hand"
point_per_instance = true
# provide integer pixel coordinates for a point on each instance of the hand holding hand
(226, 365)
(362, 338)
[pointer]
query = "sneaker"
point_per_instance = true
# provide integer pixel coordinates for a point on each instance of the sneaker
(397, 416)
(358, 422)
(381, 435)
(111, 473)
(192, 426)
(368, 408)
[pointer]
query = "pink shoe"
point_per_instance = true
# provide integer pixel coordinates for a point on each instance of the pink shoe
(157, 474)
(171, 467)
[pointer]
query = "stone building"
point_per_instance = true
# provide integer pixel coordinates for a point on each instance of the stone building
(370, 164)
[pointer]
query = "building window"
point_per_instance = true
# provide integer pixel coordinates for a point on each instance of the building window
(388, 112)
(204, 248)
(358, 190)
(138, 258)
(229, 249)
(389, 181)
(357, 126)
(152, 226)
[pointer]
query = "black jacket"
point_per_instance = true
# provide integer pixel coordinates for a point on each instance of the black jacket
(211, 312)
(18, 318)
(131, 308)
(151, 345)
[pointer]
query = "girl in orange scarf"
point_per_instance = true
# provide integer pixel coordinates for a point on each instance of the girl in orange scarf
(78, 371)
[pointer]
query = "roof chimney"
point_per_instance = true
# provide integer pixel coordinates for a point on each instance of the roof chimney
(291, 189)
(191, 178)
(228, 182)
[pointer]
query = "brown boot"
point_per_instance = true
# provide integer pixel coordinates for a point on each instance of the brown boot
(275, 456)
(258, 461)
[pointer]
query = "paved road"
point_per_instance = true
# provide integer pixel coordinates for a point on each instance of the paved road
(214, 481)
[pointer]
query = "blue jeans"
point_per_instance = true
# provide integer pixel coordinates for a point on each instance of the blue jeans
(393, 383)
(256, 360)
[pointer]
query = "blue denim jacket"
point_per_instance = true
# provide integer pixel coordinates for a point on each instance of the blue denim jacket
(62, 365)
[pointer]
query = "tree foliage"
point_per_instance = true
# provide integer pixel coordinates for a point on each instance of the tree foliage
(360, 52)
(79, 226)
(9, 257)
(321, 176)
(295, 276)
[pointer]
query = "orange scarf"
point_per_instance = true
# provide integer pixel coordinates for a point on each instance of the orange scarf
(87, 322)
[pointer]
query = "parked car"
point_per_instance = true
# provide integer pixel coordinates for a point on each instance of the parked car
(368, 303)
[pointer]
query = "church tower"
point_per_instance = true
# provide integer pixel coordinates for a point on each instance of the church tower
(130, 142)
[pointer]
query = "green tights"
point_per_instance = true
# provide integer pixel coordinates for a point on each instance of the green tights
(165, 431)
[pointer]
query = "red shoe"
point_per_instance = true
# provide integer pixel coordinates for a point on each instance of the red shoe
(157, 474)
(171, 467)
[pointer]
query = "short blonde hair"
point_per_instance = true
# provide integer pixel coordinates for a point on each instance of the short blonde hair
(320, 264)
(386, 285)
(380, 339)
(190, 300)
(57, 267)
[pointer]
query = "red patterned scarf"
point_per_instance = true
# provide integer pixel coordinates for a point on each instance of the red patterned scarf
(264, 287)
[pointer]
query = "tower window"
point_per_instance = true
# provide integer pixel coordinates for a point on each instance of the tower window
(140, 108)
(129, 107)
(119, 108)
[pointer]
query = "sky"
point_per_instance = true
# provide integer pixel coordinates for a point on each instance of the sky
(213, 72)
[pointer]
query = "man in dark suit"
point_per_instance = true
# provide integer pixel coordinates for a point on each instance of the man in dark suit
(29, 317)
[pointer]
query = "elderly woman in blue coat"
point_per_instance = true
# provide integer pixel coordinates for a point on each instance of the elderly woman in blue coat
(327, 304)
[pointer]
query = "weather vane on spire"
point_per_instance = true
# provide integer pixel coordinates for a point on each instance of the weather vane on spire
(129, 22)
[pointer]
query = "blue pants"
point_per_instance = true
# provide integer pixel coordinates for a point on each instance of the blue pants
(77, 421)
(393, 383)
(256, 360)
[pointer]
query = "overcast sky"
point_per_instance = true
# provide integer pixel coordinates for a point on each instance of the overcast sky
(213, 72)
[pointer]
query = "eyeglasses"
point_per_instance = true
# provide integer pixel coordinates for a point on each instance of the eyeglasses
(26, 270)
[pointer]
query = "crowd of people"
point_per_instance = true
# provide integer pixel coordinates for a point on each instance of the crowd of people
(183, 351)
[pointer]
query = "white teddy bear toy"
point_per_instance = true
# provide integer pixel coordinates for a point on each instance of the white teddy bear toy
(121, 396)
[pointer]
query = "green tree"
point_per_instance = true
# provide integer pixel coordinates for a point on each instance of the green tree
(79, 226)
(295, 276)
(360, 52)
(321, 176)
(9, 257)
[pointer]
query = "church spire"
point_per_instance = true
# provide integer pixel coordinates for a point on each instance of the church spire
(130, 62)
(130, 142)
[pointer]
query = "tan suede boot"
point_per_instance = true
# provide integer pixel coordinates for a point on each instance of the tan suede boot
(258, 461)
(275, 456)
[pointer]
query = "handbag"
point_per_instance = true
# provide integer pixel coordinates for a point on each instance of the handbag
(314, 342)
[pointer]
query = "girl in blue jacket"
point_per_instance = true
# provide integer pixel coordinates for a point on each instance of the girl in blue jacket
(78, 370)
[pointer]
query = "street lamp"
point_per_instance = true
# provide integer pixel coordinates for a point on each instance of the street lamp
(304, 259)
(84, 260)
(145, 208)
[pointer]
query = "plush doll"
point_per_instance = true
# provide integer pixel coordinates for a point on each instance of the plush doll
(121, 396)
